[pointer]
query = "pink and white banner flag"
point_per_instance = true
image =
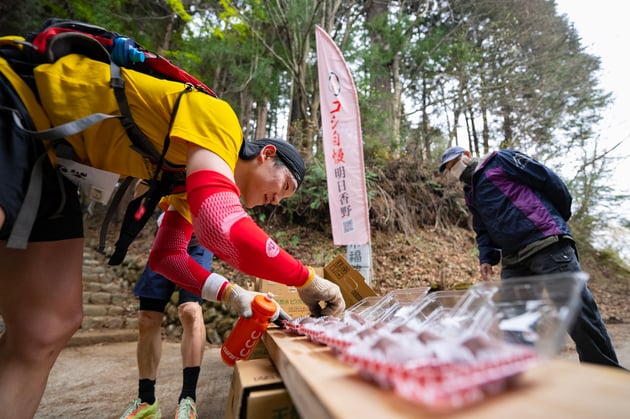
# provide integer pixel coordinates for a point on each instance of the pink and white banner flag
(343, 145)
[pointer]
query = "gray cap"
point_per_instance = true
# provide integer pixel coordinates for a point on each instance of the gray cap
(449, 155)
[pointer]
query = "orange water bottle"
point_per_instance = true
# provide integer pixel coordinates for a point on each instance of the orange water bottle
(247, 332)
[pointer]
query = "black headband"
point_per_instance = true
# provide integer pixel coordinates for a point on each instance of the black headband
(285, 151)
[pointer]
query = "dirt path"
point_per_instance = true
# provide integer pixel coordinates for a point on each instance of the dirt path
(98, 381)
(620, 335)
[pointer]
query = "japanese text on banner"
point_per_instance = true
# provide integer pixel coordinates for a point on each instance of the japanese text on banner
(343, 145)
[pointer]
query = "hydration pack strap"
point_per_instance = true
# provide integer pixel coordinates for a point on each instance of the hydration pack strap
(113, 206)
(138, 213)
(64, 130)
(18, 238)
(140, 142)
(140, 209)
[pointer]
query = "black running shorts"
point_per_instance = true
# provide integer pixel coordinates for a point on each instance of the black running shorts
(59, 214)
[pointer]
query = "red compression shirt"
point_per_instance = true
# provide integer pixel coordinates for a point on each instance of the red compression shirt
(222, 226)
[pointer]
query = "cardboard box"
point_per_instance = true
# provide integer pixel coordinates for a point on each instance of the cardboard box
(270, 404)
(286, 296)
(260, 350)
(257, 392)
(351, 282)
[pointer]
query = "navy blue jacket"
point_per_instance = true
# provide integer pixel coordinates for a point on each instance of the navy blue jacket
(514, 201)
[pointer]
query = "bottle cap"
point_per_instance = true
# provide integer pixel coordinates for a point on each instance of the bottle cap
(136, 56)
(264, 305)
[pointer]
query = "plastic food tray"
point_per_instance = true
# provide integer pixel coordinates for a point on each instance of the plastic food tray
(451, 349)
(534, 311)
(450, 386)
(442, 384)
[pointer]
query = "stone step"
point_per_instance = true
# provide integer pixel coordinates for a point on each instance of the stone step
(108, 316)
(109, 308)
(97, 336)
(120, 298)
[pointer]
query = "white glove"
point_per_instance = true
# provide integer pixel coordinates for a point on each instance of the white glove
(316, 290)
(241, 300)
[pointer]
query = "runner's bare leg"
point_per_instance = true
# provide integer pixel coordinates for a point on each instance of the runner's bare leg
(41, 305)
(194, 336)
(149, 348)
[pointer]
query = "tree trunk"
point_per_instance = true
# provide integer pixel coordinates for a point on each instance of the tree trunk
(261, 120)
(381, 73)
(166, 41)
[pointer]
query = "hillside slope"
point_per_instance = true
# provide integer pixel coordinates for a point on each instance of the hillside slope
(441, 257)
(444, 259)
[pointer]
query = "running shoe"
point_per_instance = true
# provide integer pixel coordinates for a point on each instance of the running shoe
(141, 410)
(186, 409)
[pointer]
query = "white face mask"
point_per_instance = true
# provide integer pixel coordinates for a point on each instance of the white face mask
(457, 169)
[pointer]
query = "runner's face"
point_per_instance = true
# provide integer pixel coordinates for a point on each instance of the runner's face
(269, 184)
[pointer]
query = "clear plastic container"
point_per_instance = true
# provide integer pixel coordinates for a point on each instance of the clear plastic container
(457, 348)
(363, 306)
(430, 307)
(364, 319)
(395, 300)
(536, 311)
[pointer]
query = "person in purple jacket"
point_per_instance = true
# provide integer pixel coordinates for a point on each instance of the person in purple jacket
(520, 210)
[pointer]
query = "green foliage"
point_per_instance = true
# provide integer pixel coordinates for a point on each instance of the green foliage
(262, 217)
(178, 7)
(476, 73)
(315, 189)
(294, 240)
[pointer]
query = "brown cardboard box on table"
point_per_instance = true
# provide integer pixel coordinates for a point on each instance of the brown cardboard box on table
(351, 282)
(287, 296)
(257, 392)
